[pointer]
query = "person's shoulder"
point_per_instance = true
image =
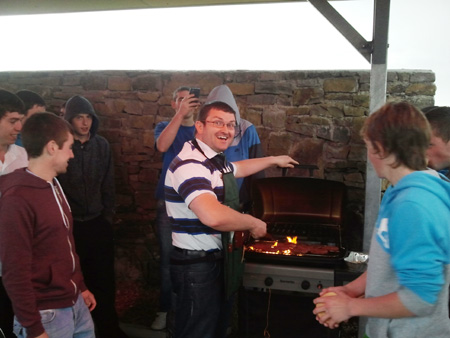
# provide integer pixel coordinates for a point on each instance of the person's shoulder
(161, 125)
(18, 179)
(18, 150)
(99, 139)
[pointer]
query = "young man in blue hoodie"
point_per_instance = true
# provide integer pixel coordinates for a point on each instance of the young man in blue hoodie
(404, 291)
(89, 187)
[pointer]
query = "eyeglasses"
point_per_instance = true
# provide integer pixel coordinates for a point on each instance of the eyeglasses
(220, 124)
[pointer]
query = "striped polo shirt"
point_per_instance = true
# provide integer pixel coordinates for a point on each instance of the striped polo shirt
(189, 175)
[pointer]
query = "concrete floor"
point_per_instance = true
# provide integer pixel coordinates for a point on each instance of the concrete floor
(135, 331)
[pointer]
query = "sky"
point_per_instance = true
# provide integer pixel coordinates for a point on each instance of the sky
(283, 36)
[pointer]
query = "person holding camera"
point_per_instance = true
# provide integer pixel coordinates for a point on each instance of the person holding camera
(170, 137)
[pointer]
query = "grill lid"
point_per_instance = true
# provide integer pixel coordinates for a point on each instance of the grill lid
(298, 200)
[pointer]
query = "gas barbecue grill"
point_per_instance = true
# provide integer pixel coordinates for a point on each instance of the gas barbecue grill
(306, 211)
(303, 255)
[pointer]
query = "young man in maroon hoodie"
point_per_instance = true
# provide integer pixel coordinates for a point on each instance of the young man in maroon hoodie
(41, 270)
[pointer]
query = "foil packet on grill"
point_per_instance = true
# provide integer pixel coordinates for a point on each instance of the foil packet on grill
(356, 260)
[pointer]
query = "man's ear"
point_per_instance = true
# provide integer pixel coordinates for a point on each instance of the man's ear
(51, 147)
(199, 126)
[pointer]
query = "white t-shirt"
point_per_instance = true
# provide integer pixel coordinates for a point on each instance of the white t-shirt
(16, 157)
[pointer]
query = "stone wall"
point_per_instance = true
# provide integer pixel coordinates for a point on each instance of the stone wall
(314, 116)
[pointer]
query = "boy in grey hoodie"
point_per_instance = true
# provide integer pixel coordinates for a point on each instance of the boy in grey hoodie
(89, 186)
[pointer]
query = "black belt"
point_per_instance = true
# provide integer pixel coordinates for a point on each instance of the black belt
(196, 256)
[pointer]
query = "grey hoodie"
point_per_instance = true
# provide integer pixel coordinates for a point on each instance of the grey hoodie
(79, 105)
(89, 180)
(245, 145)
(223, 94)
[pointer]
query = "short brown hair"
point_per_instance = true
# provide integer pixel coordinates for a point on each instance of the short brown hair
(439, 119)
(402, 130)
(41, 128)
(10, 103)
(179, 89)
(219, 105)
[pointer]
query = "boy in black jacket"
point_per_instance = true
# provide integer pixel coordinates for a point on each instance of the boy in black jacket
(89, 186)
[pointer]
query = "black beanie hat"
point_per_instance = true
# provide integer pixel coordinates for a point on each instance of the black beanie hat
(79, 105)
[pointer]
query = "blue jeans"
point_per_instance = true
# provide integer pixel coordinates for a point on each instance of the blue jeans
(69, 322)
(197, 299)
(165, 249)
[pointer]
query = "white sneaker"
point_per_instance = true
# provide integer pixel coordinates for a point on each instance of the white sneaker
(160, 321)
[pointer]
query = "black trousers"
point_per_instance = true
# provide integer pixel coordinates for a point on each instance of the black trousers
(6, 313)
(95, 246)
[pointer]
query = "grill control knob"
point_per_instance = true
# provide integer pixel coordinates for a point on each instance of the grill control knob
(268, 281)
(319, 286)
(305, 285)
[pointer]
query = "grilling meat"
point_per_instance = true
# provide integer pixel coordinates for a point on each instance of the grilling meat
(291, 249)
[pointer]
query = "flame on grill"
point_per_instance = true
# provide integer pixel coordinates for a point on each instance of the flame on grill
(282, 247)
(292, 239)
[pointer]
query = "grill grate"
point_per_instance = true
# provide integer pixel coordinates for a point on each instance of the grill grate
(325, 234)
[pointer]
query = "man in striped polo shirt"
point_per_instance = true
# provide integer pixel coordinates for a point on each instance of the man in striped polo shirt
(194, 193)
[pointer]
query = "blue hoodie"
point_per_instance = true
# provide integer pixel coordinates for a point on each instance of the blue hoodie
(410, 255)
(246, 143)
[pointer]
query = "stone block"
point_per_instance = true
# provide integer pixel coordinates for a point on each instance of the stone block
(392, 76)
(362, 100)
(150, 82)
(149, 96)
(138, 122)
(132, 107)
(355, 111)
(254, 116)
(132, 145)
(94, 82)
(239, 89)
(274, 119)
(334, 176)
(354, 177)
(336, 150)
(273, 87)
(326, 111)
(133, 158)
(166, 111)
(262, 100)
(148, 175)
(303, 96)
(423, 77)
(396, 87)
(120, 83)
(349, 85)
(138, 185)
(421, 89)
(279, 142)
(357, 153)
(297, 111)
(308, 150)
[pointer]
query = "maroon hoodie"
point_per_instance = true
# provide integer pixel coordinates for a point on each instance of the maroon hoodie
(40, 267)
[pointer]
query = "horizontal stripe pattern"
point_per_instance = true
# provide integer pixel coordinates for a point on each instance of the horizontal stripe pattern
(190, 175)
